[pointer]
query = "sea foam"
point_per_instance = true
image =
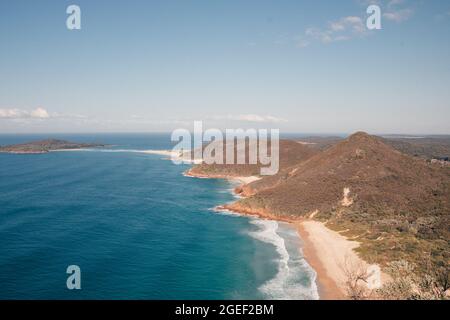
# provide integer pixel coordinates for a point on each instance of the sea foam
(295, 279)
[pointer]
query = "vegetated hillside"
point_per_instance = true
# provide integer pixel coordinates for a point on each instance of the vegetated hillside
(426, 147)
(44, 146)
(431, 147)
(291, 153)
(396, 205)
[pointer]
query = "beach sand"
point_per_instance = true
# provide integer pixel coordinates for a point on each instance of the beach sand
(326, 282)
(330, 254)
(327, 251)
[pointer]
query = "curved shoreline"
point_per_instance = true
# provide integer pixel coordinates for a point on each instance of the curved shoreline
(327, 285)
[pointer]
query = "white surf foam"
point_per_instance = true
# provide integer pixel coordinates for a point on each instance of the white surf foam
(225, 212)
(168, 154)
(100, 150)
(295, 279)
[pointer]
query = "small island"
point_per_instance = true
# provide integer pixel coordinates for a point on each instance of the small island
(44, 146)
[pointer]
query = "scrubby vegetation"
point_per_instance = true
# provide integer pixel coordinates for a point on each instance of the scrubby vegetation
(407, 283)
(397, 205)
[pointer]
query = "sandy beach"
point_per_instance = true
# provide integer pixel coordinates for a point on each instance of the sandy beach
(328, 252)
(327, 284)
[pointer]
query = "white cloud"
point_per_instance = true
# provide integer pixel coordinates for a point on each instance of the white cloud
(38, 113)
(398, 15)
(351, 27)
(394, 10)
(258, 118)
(9, 113)
(343, 29)
(250, 118)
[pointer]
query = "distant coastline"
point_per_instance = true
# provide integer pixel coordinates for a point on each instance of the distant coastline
(45, 146)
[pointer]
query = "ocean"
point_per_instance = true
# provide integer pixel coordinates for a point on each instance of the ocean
(136, 227)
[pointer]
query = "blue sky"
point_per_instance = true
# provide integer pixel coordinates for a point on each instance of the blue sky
(301, 66)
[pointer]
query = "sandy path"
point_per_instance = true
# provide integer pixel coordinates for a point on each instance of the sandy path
(246, 180)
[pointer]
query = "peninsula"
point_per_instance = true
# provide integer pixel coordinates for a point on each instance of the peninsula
(44, 146)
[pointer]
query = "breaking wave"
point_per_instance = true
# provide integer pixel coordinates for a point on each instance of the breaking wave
(295, 279)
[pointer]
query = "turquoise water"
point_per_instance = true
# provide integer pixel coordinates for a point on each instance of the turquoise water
(136, 227)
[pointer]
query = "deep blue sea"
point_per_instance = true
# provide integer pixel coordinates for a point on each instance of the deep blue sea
(136, 227)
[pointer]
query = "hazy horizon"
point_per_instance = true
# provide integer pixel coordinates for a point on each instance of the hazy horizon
(283, 135)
